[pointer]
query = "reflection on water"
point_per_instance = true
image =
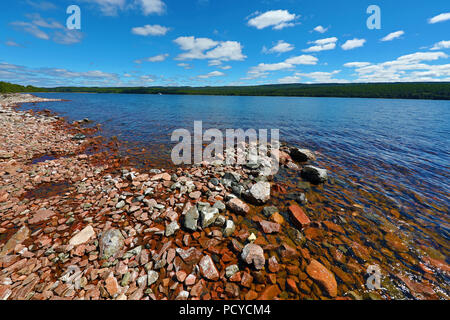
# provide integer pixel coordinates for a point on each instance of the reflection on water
(388, 159)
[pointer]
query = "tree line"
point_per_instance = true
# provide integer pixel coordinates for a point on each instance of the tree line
(411, 90)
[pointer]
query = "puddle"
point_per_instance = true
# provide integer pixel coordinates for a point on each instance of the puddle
(43, 159)
(47, 190)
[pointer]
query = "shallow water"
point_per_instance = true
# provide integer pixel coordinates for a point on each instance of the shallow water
(388, 161)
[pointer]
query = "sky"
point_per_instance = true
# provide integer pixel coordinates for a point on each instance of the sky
(223, 42)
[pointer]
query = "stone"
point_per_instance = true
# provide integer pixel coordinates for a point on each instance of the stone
(152, 277)
(171, 228)
(120, 204)
(83, 236)
(270, 227)
(41, 216)
(111, 242)
(112, 286)
(20, 236)
(298, 216)
(231, 270)
(6, 155)
(190, 280)
(273, 264)
(269, 211)
(253, 254)
(270, 293)
(209, 216)
(238, 206)
(229, 228)
(208, 269)
(259, 193)
(314, 175)
(219, 205)
(323, 276)
(278, 218)
(191, 219)
(195, 195)
(301, 155)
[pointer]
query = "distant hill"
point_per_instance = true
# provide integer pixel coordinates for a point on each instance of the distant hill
(411, 90)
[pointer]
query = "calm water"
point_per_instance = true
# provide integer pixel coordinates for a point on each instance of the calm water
(382, 154)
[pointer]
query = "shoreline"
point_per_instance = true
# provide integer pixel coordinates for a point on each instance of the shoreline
(169, 234)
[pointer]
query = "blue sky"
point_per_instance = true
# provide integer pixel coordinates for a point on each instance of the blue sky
(223, 42)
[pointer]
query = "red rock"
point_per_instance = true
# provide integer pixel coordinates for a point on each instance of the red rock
(247, 280)
(112, 286)
(273, 265)
(208, 268)
(292, 285)
(323, 276)
(270, 293)
(270, 227)
(278, 218)
(41, 216)
(21, 235)
(238, 206)
(181, 276)
(333, 227)
(254, 254)
(251, 295)
(190, 280)
(298, 216)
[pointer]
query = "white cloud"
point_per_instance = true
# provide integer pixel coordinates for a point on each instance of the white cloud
(60, 34)
(320, 29)
(410, 67)
(261, 69)
(440, 18)
(211, 74)
(289, 79)
(112, 7)
(150, 30)
(322, 77)
(11, 43)
(184, 65)
(277, 19)
(352, 44)
(441, 45)
(357, 64)
(152, 6)
(322, 45)
(280, 47)
(158, 58)
(204, 48)
(393, 35)
(109, 7)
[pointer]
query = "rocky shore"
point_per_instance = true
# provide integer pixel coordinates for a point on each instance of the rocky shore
(77, 223)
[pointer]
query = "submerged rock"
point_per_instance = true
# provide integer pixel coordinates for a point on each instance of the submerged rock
(19, 237)
(323, 276)
(301, 155)
(314, 175)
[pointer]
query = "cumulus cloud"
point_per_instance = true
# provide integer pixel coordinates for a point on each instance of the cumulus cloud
(211, 74)
(439, 18)
(393, 35)
(289, 79)
(184, 65)
(158, 58)
(152, 6)
(150, 30)
(352, 44)
(356, 64)
(320, 29)
(205, 48)
(441, 45)
(280, 47)
(322, 77)
(277, 19)
(322, 45)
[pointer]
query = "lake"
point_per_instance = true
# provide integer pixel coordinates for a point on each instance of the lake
(388, 159)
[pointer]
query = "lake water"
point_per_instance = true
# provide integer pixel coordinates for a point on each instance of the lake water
(390, 158)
